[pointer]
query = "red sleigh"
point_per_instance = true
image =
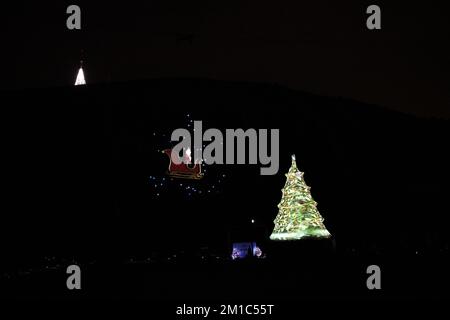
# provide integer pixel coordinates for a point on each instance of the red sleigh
(183, 170)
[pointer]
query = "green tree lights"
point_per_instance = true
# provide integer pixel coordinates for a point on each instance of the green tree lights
(298, 216)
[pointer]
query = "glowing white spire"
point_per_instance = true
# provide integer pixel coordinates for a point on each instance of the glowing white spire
(80, 78)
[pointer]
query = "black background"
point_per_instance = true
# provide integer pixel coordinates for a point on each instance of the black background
(317, 46)
(77, 159)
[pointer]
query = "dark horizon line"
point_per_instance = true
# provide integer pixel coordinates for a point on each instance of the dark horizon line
(274, 85)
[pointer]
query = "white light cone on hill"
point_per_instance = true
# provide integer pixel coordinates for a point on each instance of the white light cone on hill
(80, 78)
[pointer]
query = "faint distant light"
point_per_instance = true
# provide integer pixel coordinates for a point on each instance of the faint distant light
(253, 221)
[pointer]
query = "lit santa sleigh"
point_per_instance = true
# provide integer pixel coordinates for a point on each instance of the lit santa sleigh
(183, 170)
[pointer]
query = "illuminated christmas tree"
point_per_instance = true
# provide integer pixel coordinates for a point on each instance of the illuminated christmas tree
(298, 216)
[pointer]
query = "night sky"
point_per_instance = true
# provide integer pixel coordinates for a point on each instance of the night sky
(85, 181)
(322, 47)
